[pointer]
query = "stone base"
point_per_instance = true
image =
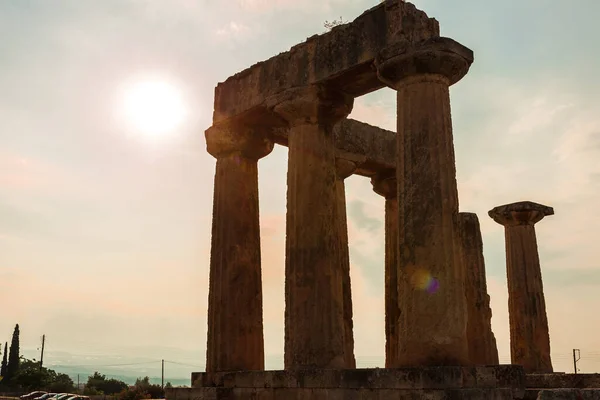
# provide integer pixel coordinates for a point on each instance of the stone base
(569, 394)
(562, 386)
(504, 382)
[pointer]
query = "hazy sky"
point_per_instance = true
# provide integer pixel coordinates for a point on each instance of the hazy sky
(105, 233)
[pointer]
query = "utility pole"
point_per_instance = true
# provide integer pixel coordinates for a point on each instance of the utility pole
(42, 356)
(162, 380)
(77, 383)
(576, 357)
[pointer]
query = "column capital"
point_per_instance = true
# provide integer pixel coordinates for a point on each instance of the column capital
(344, 168)
(229, 137)
(385, 184)
(313, 104)
(436, 56)
(520, 213)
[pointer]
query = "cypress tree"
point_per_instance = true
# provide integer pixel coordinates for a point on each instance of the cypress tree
(13, 356)
(4, 360)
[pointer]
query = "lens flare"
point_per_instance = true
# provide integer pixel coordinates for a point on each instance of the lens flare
(423, 280)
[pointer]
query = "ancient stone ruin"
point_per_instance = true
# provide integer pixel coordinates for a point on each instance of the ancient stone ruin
(529, 337)
(439, 341)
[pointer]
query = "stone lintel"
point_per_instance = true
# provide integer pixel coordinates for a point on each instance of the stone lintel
(520, 213)
(374, 146)
(427, 378)
(341, 58)
(373, 149)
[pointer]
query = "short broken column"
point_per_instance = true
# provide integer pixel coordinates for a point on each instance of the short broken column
(385, 185)
(482, 343)
(314, 311)
(235, 324)
(345, 168)
(529, 336)
(433, 321)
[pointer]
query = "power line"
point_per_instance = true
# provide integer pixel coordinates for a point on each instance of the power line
(187, 365)
(106, 365)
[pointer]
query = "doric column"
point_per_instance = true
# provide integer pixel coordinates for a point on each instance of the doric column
(529, 337)
(345, 168)
(433, 321)
(385, 185)
(482, 343)
(314, 312)
(235, 324)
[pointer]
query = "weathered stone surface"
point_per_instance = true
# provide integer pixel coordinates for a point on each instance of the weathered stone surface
(520, 213)
(529, 337)
(235, 327)
(434, 56)
(555, 381)
(499, 376)
(433, 322)
(337, 394)
(341, 58)
(385, 185)
(314, 315)
(482, 343)
(344, 169)
(485, 383)
(569, 394)
(373, 148)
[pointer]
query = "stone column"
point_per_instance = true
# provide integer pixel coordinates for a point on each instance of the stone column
(235, 324)
(433, 321)
(482, 343)
(385, 185)
(345, 168)
(529, 337)
(314, 312)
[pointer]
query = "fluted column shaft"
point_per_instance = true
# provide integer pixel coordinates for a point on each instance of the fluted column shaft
(529, 335)
(482, 342)
(345, 168)
(386, 186)
(433, 321)
(314, 309)
(529, 344)
(235, 324)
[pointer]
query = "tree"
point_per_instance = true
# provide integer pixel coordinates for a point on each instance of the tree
(62, 384)
(330, 25)
(31, 377)
(4, 360)
(142, 389)
(13, 356)
(98, 384)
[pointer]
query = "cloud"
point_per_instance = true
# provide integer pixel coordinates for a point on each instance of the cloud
(376, 108)
(280, 5)
(356, 211)
(538, 115)
(233, 30)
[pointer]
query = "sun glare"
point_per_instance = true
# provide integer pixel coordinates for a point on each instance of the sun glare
(154, 107)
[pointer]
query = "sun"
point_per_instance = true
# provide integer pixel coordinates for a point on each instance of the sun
(154, 107)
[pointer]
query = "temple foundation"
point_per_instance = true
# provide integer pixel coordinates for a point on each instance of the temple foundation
(432, 383)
